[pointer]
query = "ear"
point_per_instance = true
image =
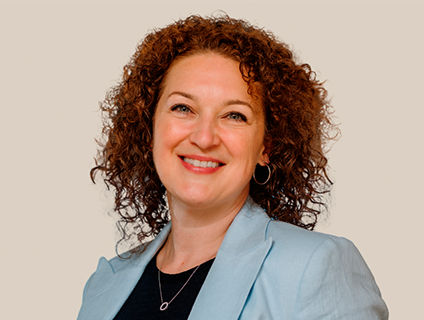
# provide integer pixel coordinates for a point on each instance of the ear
(264, 158)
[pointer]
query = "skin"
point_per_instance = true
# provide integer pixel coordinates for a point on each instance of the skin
(204, 113)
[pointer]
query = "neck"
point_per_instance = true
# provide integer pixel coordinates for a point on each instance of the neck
(195, 236)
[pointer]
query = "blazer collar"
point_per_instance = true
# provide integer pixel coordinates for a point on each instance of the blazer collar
(226, 286)
(236, 266)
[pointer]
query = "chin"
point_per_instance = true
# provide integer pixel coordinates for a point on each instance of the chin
(195, 197)
(198, 200)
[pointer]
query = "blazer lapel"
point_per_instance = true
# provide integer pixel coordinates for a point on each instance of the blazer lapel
(108, 288)
(225, 289)
(236, 266)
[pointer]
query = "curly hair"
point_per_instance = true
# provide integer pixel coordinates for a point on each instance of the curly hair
(297, 120)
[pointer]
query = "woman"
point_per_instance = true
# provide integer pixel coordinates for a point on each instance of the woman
(215, 148)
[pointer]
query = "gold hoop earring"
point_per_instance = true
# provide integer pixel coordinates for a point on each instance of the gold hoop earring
(266, 180)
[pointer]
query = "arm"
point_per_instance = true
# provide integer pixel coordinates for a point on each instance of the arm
(337, 284)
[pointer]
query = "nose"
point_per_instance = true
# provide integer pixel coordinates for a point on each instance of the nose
(205, 133)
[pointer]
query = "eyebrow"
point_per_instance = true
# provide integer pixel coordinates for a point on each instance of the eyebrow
(226, 103)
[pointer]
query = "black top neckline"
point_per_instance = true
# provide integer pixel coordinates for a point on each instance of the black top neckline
(183, 273)
(144, 301)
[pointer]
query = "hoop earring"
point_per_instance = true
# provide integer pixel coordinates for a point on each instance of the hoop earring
(267, 179)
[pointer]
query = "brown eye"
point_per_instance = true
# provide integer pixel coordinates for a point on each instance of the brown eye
(181, 108)
(236, 116)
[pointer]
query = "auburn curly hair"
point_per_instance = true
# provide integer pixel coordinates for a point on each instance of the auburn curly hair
(297, 120)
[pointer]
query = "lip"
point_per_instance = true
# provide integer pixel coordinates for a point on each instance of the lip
(200, 158)
(200, 170)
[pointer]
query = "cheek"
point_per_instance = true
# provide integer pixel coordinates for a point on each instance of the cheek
(159, 143)
(167, 135)
(162, 133)
(247, 146)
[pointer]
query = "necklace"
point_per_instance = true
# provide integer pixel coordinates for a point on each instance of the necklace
(164, 304)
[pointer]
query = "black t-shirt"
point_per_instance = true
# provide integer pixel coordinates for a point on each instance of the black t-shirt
(144, 301)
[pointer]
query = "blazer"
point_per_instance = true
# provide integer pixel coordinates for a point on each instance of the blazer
(264, 269)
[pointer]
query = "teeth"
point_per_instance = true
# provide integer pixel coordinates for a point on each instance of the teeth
(202, 164)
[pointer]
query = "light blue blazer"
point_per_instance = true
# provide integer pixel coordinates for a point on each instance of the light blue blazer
(264, 269)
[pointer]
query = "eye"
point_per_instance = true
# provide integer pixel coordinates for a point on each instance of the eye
(181, 108)
(237, 116)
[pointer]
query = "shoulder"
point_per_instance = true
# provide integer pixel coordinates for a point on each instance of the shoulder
(293, 248)
(313, 251)
(292, 240)
(105, 275)
(289, 242)
(283, 232)
(319, 268)
(106, 268)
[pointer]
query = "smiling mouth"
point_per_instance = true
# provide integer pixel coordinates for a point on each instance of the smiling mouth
(202, 164)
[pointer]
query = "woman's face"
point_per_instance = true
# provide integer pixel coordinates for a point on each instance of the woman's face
(208, 132)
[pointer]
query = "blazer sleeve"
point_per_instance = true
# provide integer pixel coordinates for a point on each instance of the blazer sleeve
(337, 284)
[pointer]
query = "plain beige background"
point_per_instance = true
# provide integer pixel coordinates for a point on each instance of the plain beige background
(59, 58)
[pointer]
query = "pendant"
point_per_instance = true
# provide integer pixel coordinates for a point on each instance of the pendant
(164, 306)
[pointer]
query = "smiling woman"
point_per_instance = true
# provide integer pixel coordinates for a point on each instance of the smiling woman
(203, 106)
(207, 130)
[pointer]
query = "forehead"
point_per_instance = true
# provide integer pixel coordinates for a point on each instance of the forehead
(204, 69)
